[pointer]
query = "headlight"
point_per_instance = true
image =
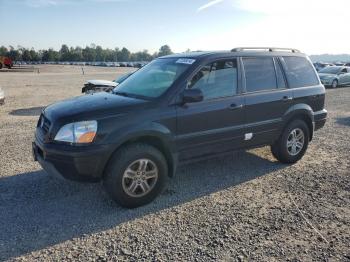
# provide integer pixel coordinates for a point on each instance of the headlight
(79, 132)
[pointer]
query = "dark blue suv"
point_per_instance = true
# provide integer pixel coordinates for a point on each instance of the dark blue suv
(179, 108)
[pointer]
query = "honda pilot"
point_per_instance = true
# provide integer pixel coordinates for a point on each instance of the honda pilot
(181, 108)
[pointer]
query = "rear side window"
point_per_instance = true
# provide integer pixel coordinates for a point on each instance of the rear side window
(259, 74)
(299, 72)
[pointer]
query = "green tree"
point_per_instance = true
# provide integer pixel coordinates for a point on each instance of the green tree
(89, 54)
(34, 55)
(64, 53)
(50, 55)
(165, 50)
(26, 55)
(14, 54)
(100, 54)
(124, 55)
(3, 51)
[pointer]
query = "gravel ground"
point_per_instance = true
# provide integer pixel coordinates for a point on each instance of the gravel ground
(240, 207)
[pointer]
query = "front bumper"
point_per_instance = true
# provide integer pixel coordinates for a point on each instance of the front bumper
(327, 82)
(78, 163)
(2, 97)
(320, 118)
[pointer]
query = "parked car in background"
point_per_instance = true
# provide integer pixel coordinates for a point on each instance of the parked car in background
(334, 76)
(95, 86)
(181, 108)
(5, 62)
(320, 65)
(2, 96)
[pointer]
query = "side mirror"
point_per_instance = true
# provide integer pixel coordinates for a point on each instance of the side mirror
(192, 95)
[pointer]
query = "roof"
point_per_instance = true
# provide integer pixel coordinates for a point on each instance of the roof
(195, 54)
(234, 52)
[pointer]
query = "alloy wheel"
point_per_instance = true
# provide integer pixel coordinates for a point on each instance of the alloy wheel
(140, 177)
(295, 141)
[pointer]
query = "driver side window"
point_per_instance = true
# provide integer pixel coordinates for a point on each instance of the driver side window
(215, 80)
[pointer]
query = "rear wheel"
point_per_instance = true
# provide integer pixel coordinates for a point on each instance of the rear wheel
(334, 83)
(0, 66)
(292, 145)
(136, 175)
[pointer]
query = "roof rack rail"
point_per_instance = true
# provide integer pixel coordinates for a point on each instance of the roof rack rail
(270, 49)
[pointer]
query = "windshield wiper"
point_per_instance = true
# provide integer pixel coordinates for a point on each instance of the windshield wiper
(122, 93)
(128, 95)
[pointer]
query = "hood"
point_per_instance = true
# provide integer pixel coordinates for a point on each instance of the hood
(102, 83)
(91, 107)
(325, 75)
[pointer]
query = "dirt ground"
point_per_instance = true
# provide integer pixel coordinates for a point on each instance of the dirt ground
(241, 207)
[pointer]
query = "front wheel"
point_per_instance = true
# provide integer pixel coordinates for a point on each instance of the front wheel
(334, 83)
(136, 175)
(292, 144)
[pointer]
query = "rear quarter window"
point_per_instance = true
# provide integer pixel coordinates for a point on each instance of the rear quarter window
(299, 72)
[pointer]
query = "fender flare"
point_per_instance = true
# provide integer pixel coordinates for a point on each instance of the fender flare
(149, 133)
(302, 111)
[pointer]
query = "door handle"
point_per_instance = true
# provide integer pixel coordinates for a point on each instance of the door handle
(287, 98)
(235, 106)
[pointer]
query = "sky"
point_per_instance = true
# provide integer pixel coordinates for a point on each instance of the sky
(313, 26)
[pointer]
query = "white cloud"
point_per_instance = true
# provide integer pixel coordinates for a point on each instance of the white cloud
(313, 26)
(295, 8)
(48, 3)
(210, 4)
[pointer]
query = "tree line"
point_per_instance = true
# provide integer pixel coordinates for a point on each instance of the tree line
(92, 53)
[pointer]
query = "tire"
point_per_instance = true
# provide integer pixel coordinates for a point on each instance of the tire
(334, 83)
(0, 66)
(128, 189)
(284, 152)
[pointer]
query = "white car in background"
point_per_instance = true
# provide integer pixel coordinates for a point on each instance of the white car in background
(95, 86)
(2, 97)
(333, 76)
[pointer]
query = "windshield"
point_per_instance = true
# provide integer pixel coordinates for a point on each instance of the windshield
(154, 79)
(330, 70)
(122, 78)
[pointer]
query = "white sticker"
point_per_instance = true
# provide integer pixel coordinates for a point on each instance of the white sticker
(185, 61)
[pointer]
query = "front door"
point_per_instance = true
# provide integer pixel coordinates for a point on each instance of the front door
(344, 77)
(215, 124)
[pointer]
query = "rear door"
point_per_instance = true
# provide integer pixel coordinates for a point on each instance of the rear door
(267, 98)
(215, 124)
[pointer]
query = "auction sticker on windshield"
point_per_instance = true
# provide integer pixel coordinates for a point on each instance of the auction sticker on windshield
(185, 61)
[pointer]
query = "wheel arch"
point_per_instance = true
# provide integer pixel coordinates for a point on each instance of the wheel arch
(303, 112)
(160, 141)
(159, 144)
